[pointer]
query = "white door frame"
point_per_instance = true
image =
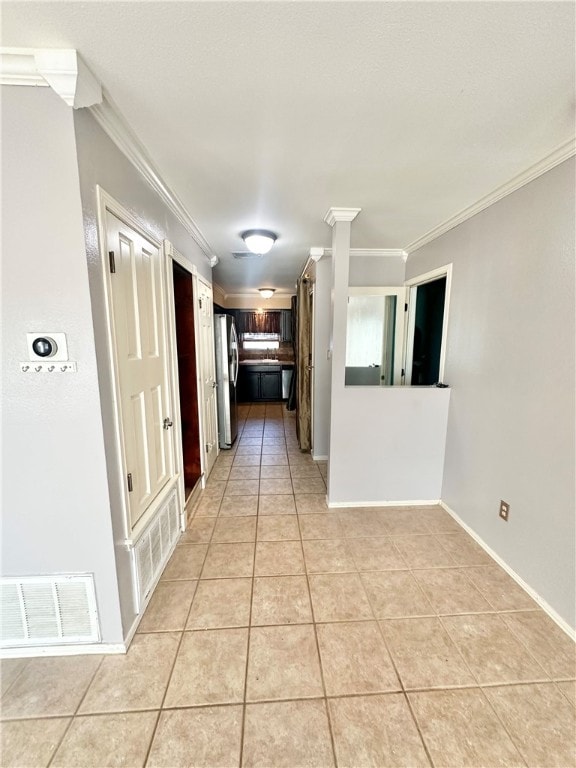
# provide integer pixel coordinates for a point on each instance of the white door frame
(106, 202)
(412, 285)
(200, 370)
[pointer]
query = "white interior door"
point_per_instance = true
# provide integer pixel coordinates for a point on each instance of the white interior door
(208, 375)
(139, 325)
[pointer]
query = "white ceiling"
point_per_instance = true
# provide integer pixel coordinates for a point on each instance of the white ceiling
(268, 113)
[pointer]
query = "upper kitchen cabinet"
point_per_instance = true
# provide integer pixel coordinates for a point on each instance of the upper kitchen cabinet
(286, 325)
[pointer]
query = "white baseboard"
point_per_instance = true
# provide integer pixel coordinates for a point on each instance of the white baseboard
(319, 458)
(404, 503)
(564, 626)
(76, 649)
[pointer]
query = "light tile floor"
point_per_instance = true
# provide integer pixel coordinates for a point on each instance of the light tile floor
(285, 634)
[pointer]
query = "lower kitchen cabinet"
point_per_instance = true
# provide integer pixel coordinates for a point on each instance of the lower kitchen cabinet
(259, 382)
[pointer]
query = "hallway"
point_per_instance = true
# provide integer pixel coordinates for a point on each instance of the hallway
(285, 634)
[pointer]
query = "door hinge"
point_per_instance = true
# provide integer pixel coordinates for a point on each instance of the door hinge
(208, 446)
(200, 303)
(112, 261)
(403, 372)
(405, 307)
(130, 485)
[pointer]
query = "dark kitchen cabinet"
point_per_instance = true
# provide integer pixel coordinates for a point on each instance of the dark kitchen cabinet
(286, 325)
(259, 382)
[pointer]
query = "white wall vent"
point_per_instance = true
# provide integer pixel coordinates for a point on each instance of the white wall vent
(48, 610)
(153, 548)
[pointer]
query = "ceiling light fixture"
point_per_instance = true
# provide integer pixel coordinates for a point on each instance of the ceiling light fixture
(259, 240)
(266, 293)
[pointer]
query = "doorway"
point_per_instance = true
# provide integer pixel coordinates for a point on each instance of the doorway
(187, 375)
(428, 322)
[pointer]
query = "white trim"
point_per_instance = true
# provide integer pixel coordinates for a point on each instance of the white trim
(319, 458)
(113, 123)
(340, 214)
(412, 284)
(562, 152)
(564, 626)
(63, 650)
(397, 253)
(60, 68)
(403, 503)
(317, 253)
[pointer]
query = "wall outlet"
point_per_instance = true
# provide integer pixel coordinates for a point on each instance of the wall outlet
(504, 510)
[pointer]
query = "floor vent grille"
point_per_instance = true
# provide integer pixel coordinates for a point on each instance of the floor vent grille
(48, 610)
(155, 545)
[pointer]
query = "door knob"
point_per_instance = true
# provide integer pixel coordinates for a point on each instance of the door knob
(168, 423)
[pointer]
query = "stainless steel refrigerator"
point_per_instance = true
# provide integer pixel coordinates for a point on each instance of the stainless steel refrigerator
(226, 342)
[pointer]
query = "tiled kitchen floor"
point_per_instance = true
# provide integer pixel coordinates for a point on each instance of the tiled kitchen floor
(285, 634)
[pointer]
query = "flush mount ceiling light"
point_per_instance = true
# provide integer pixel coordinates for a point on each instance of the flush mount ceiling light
(266, 293)
(259, 240)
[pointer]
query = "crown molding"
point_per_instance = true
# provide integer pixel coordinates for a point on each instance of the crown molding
(62, 69)
(562, 152)
(340, 214)
(109, 117)
(396, 253)
(316, 253)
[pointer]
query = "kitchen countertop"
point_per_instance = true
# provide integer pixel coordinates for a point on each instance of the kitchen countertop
(267, 361)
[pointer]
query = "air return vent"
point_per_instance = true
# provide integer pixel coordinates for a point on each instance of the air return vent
(246, 255)
(47, 610)
(153, 548)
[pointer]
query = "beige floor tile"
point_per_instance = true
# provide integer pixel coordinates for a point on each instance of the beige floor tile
(305, 470)
(362, 522)
(395, 594)
(492, 652)
(274, 459)
(499, 589)
(250, 441)
(228, 561)
(208, 737)
(277, 471)
(339, 597)
(276, 505)
(461, 730)
(30, 743)
(269, 450)
(424, 654)
(207, 507)
(283, 663)
(275, 487)
(322, 526)
(232, 529)
(220, 472)
(185, 563)
(245, 473)
(239, 506)
(278, 528)
(423, 552)
(107, 740)
(450, 591)
(248, 450)
(297, 457)
(437, 520)
(48, 687)
(199, 531)
(327, 556)
(545, 641)
(541, 722)
(250, 460)
(568, 688)
(214, 489)
(311, 503)
(210, 668)
(135, 680)
(308, 485)
(242, 487)
(169, 606)
(354, 659)
(221, 603)
(376, 554)
(281, 600)
(464, 550)
(375, 731)
(287, 734)
(405, 521)
(278, 558)
(274, 441)
(9, 671)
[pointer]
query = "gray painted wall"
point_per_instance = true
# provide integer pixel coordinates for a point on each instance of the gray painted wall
(55, 508)
(510, 365)
(376, 270)
(100, 162)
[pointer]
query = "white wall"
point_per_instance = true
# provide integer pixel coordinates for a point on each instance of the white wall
(510, 364)
(101, 162)
(55, 507)
(321, 375)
